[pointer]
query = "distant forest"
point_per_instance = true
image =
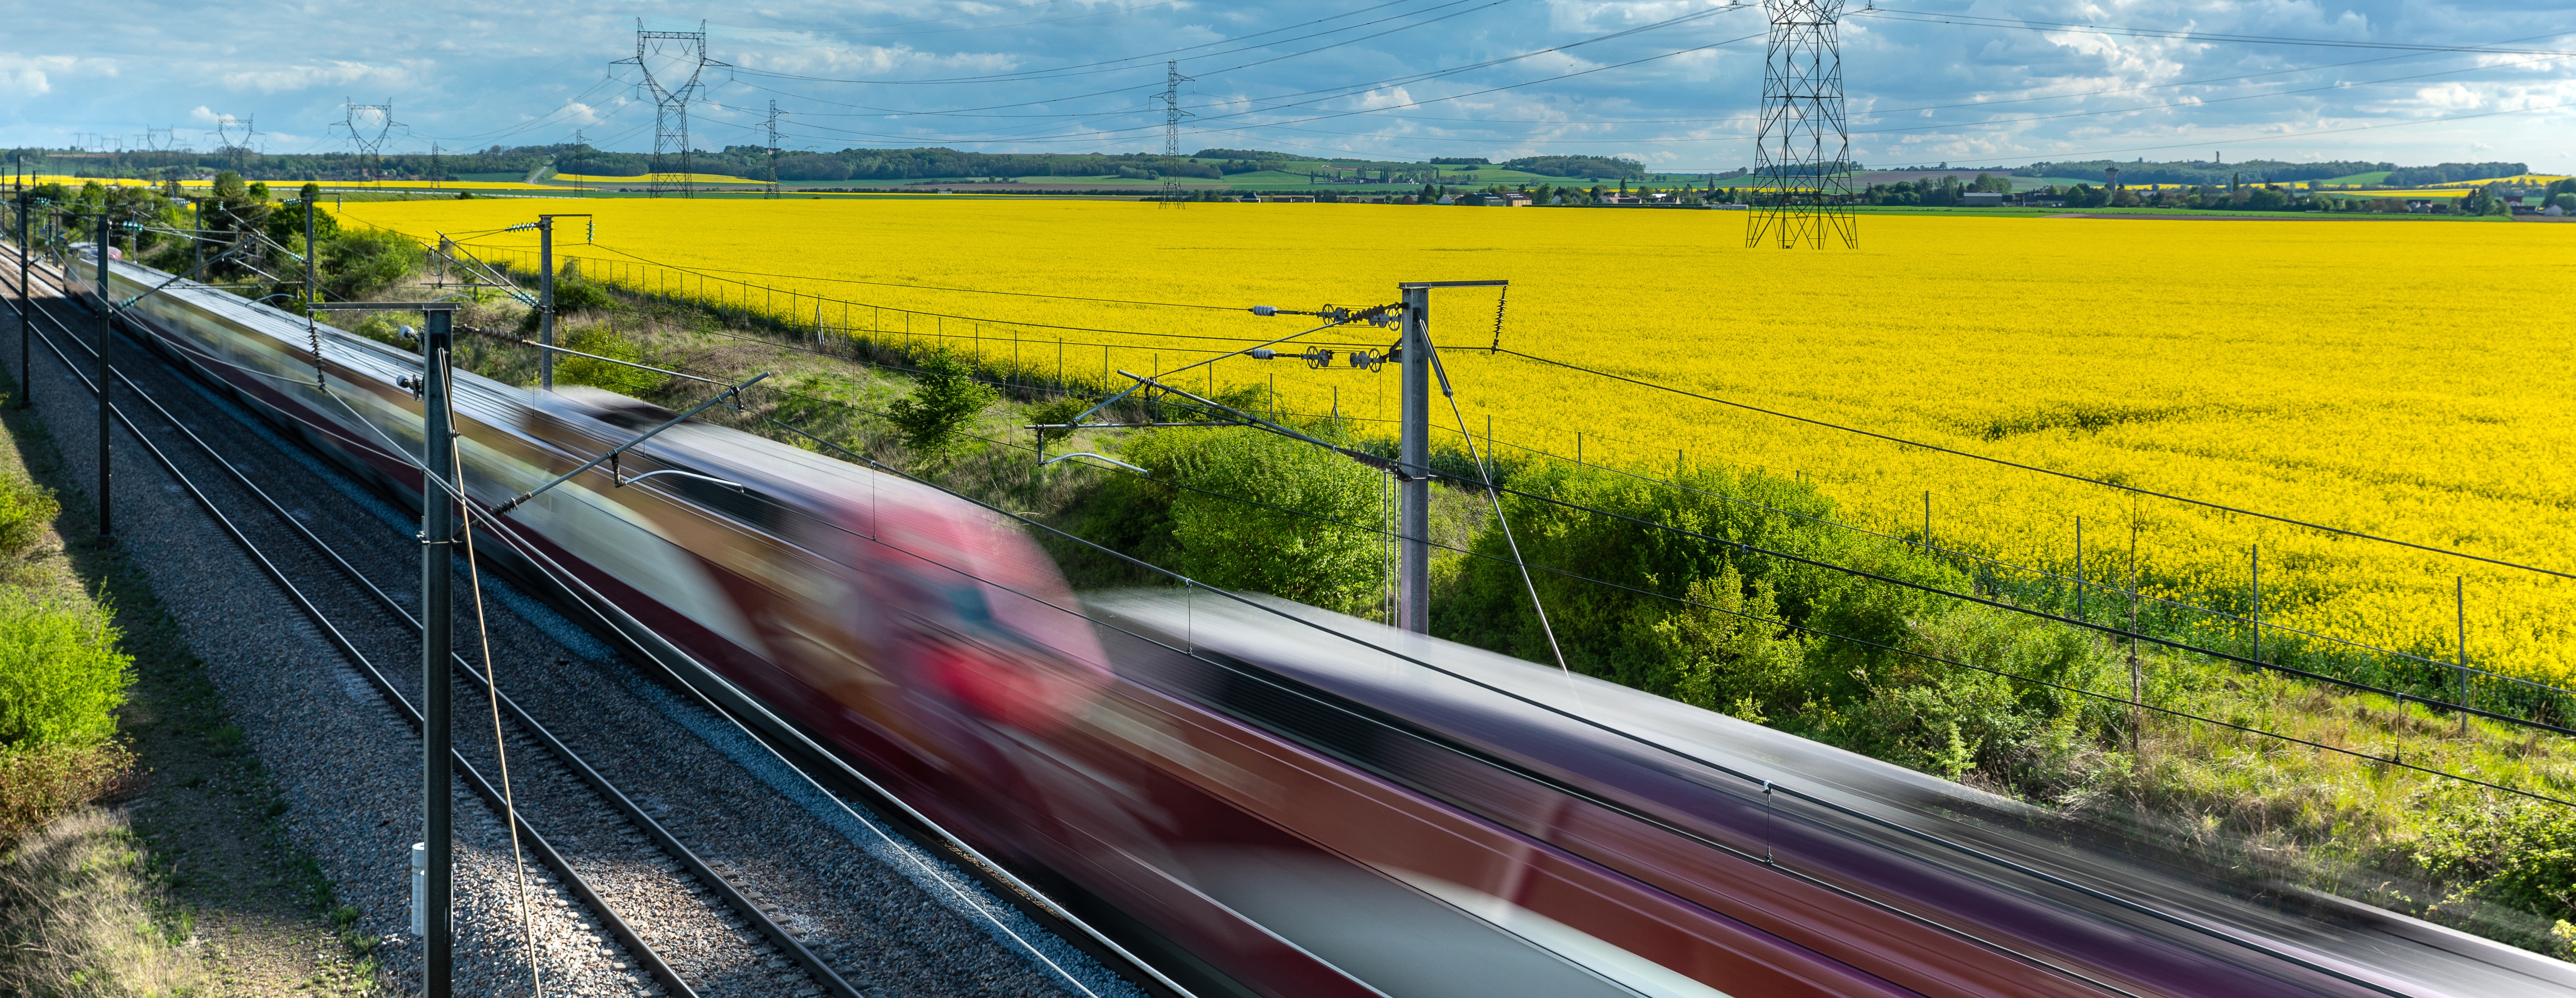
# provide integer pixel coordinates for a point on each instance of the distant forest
(2269, 170)
(900, 165)
(753, 162)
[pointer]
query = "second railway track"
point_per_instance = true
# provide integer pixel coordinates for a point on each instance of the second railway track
(706, 864)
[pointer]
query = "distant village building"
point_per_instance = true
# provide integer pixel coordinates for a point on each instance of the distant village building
(1982, 199)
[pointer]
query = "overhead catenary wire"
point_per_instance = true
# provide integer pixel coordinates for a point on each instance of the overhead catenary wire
(2025, 24)
(492, 687)
(1925, 656)
(1660, 747)
(2071, 476)
(777, 935)
(2517, 680)
(1825, 803)
(609, 917)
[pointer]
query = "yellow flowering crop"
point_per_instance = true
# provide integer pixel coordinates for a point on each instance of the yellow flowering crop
(2523, 179)
(2405, 378)
(646, 178)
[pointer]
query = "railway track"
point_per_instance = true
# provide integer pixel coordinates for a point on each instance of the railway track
(698, 853)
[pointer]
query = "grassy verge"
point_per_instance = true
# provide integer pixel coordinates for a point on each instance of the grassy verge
(168, 872)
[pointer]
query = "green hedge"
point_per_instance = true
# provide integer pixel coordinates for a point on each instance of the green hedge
(61, 677)
(1713, 624)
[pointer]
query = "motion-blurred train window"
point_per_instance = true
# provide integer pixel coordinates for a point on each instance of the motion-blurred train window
(751, 508)
(1303, 714)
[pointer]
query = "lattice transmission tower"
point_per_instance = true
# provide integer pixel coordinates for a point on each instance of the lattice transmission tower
(226, 126)
(360, 120)
(773, 149)
(1802, 150)
(1172, 115)
(684, 55)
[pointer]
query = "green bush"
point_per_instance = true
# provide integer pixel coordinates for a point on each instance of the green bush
(358, 261)
(1306, 534)
(605, 342)
(25, 509)
(572, 294)
(387, 328)
(943, 401)
(2521, 854)
(61, 677)
(1714, 624)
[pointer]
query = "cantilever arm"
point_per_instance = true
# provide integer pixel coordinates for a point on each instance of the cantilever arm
(624, 482)
(1104, 457)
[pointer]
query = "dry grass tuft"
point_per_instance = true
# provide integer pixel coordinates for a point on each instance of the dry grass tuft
(80, 915)
(39, 782)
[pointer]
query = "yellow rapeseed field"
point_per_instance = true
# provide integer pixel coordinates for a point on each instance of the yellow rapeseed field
(286, 188)
(2405, 378)
(646, 178)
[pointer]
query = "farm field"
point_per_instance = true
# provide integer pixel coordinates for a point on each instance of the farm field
(2232, 363)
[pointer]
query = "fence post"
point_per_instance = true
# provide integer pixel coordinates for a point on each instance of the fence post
(2137, 677)
(2460, 607)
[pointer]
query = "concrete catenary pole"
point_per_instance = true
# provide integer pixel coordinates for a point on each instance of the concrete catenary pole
(1413, 466)
(437, 526)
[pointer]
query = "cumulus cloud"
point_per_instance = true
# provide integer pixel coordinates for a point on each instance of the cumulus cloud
(283, 78)
(1080, 77)
(32, 75)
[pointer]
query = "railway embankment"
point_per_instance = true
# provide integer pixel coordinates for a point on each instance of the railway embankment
(153, 861)
(775, 871)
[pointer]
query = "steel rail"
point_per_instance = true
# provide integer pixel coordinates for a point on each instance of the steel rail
(967, 856)
(545, 850)
(618, 799)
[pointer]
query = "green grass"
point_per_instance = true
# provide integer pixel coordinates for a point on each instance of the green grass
(2373, 177)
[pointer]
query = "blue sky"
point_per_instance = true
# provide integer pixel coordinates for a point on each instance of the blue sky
(1675, 83)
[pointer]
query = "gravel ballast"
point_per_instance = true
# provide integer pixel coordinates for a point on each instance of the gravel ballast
(885, 914)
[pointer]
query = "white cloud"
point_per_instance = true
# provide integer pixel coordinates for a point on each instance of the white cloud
(1076, 77)
(32, 75)
(283, 78)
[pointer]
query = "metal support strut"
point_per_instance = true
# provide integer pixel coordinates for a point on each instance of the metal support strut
(437, 524)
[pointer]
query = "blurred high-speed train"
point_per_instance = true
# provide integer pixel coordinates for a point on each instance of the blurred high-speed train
(1270, 799)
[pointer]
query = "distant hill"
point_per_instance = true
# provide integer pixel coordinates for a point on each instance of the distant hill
(2206, 171)
(1604, 167)
(2418, 176)
(888, 167)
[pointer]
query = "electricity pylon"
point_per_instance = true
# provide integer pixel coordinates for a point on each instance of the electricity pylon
(1802, 150)
(370, 148)
(671, 99)
(773, 149)
(1172, 115)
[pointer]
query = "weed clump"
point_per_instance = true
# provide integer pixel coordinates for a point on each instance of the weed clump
(25, 509)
